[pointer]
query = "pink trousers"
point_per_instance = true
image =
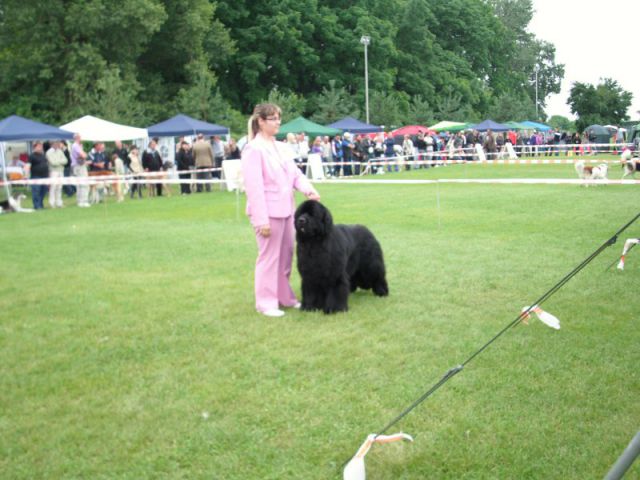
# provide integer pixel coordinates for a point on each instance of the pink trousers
(273, 267)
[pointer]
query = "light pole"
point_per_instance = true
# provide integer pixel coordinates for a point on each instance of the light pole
(537, 69)
(366, 40)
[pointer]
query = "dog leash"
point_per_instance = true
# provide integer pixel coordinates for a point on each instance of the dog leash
(523, 314)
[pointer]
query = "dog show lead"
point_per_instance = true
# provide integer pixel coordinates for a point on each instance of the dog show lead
(270, 177)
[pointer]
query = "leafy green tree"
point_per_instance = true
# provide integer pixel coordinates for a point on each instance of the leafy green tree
(562, 123)
(419, 112)
(196, 98)
(606, 103)
(512, 107)
(58, 56)
(114, 98)
(291, 104)
(389, 109)
(333, 104)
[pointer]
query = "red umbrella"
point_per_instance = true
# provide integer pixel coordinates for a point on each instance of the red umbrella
(411, 130)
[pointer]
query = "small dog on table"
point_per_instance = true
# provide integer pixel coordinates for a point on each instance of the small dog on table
(587, 172)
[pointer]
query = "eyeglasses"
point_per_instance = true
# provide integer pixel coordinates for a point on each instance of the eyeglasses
(273, 119)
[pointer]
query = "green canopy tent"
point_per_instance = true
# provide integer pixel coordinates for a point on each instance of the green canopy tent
(446, 126)
(464, 126)
(302, 125)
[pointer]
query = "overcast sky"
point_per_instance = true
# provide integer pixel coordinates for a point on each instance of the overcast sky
(593, 39)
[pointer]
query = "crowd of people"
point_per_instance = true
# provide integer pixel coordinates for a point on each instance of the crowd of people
(348, 154)
(199, 160)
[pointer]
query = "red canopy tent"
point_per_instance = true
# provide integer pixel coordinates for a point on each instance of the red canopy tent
(411, 130)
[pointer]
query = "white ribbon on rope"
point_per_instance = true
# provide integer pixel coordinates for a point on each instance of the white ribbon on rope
(544, 317)
(627, 246)
(354, 470)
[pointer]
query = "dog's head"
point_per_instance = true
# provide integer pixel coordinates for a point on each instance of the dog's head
(312, 220)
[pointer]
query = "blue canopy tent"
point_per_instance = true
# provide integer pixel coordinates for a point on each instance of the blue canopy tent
(491, 125)
(350, 124)
(15, 127)
(184, 125)
(536, 125)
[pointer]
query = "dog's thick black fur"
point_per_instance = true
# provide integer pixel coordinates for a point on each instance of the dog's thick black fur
(334, 260)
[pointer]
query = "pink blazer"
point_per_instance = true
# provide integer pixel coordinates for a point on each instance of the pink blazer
(269, 181)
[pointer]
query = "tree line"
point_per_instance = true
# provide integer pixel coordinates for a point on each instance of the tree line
(142, 61)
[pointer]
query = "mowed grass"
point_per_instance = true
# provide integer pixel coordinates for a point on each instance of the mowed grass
(130, 347)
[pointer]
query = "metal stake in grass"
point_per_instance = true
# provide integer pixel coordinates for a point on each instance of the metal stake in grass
(626, 459)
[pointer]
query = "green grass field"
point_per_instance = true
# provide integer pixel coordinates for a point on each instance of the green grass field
(130, 347)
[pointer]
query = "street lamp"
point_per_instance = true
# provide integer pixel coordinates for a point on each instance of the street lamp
(537, 69)
(365, 40)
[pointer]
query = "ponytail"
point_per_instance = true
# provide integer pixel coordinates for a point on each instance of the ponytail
(253, 127)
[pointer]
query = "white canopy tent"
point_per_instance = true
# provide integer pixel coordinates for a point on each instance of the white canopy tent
(97, 130)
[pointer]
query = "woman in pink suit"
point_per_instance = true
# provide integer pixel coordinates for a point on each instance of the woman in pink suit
(270, 177)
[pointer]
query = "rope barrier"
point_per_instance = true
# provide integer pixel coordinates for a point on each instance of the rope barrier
(455, 370)
(166, 176)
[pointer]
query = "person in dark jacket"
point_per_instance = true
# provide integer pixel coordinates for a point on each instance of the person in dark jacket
(122, 153)
(184, 162)
(389, 151)
(38, 168)
(152, 162)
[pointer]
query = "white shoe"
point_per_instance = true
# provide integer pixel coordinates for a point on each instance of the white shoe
(297, 305)
(273, 312)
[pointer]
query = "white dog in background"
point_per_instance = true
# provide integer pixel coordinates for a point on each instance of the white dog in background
(14, 204)
(587, 172)
(630, 164)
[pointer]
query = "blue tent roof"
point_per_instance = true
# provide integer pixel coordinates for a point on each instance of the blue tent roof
(491, 125)
(15, 127)
(184, 125)
(350, 124)
(536, 126)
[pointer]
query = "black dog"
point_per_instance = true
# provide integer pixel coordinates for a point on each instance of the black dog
(334, 260)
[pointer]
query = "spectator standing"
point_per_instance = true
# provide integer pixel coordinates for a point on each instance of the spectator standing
(389, 151)
(203, 159)
(38, 168)
(122, 153)
(218, 155)
(98, 161)
(152, 162)
(336, 153)
(430, 146)
(270, 177)
(360, 152)
(232, 150)
(489, 145)
(184, 161)
(292, 143)
(408, 151)
(69, 190)
(421, 147)
(347, 154)
(57, 161)
(80, 171)
(327, 155)
(303, 149)
(135, 166)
